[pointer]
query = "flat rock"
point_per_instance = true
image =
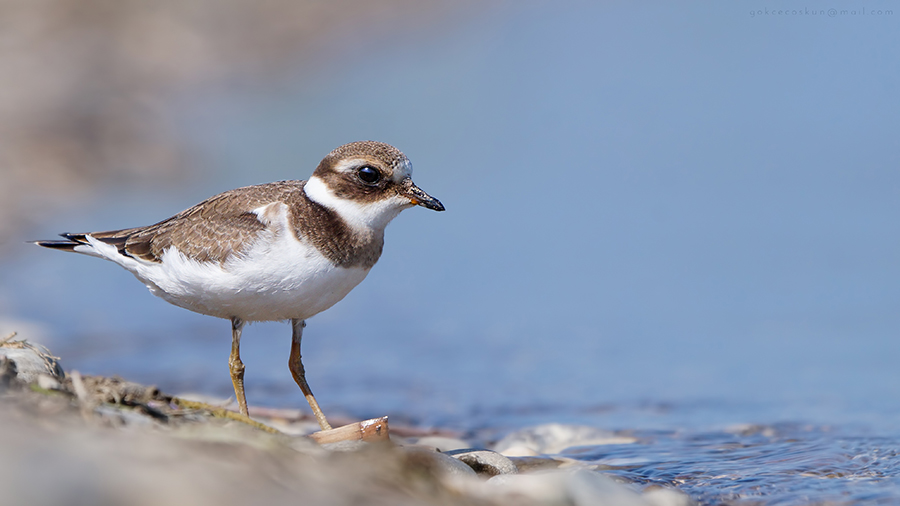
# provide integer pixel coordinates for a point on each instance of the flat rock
(31, 361)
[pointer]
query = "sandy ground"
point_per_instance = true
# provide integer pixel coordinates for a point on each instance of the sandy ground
(73, 439)
(55, 456)
(94, 440)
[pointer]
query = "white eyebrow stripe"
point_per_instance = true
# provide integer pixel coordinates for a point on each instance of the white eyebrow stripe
(398, 171)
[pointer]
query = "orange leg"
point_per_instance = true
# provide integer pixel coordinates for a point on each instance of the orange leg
(296, 366)
(236, 366)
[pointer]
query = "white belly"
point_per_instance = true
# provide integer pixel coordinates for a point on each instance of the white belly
(278, 278)
(255, 291)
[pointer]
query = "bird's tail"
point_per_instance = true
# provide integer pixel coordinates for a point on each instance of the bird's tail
(116, 238)
(69, 244)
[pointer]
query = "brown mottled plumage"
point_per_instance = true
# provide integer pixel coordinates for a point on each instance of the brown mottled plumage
(225, 225)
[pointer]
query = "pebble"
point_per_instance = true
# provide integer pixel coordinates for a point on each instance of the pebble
(436, 463)
(485, 462)
(48, 382)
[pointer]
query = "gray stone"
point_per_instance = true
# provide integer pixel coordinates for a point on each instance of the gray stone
(485, 462)
(436, 463)
(30, 361)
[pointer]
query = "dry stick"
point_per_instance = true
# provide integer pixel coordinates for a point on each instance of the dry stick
(84, 401)
(8, 338)
(223, 413)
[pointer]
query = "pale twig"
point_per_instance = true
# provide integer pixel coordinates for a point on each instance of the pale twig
(84, 401)
(8, 338)
(223, 413)
(78, 386)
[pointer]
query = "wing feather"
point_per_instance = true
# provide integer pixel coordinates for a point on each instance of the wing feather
(210, 231)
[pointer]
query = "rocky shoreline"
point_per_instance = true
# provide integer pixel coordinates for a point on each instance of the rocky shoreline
(73, 439)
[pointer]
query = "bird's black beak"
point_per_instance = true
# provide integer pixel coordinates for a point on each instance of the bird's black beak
(418, 197)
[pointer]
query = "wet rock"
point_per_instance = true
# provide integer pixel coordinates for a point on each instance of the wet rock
(484, 462)
(554, 438)
(442, 443)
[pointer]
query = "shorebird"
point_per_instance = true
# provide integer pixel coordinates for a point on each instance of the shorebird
(279, 251)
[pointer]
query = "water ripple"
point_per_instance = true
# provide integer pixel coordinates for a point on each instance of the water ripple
(775, 465)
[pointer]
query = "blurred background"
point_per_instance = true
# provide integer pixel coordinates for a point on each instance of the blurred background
(657, 214)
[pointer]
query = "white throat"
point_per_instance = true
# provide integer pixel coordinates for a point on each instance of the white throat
(363, 216)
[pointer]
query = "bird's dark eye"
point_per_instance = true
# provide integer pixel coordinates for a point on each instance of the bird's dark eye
(368, 175)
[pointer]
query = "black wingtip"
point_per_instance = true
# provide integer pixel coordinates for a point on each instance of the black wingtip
(61, 245)
(69, 244)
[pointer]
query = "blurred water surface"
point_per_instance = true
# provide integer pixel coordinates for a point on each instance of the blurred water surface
(781, 464)
(674, 218)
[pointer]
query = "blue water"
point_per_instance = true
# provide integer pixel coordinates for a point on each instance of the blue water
(784, 464)
(668, 218)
